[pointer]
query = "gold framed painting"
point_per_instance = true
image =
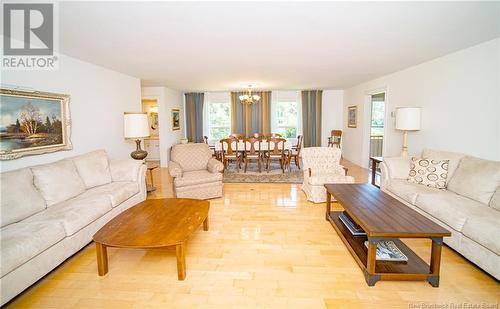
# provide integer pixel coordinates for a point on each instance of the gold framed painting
(33, 123)
(352, 116)
(176, 119)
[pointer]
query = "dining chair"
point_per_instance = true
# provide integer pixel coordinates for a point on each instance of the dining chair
(335, 138)
(212, 148)
(237, 136)
(294, 153)
(276, 151)
(252, 151)
(273, 135)
(230, 153)
(259, 135)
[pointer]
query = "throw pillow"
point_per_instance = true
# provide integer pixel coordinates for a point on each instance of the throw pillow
(430, 173)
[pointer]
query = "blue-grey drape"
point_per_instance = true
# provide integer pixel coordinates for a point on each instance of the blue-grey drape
(250, 119)
(194, 117)
(311, 117)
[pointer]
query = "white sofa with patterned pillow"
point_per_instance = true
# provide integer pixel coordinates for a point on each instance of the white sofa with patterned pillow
(469, 206)
(49, 212)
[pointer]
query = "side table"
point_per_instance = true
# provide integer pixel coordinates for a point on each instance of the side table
(375, 161)
(150, 168)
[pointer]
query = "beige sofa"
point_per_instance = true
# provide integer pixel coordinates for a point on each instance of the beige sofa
(322, 166)
(49, 212)
(469, 207)
(196, 174)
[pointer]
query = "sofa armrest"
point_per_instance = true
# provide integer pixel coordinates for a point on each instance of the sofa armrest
(174, 169)
(394, 168)
(215, 166)
(125, 170)
(338, 170)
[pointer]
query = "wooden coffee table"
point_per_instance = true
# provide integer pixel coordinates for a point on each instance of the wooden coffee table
(155, 223)
(384, 217)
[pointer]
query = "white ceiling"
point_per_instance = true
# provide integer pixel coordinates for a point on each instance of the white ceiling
(278, 45)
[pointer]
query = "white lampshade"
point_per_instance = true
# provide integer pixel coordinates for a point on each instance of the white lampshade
(135, 125)
(408, 118)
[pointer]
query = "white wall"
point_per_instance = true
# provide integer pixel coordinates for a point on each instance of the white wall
(167, 100)
(98, 99)
(331, 113)
(459, 96)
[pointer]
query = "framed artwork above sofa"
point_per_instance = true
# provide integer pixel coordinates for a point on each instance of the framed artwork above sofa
(33, 123)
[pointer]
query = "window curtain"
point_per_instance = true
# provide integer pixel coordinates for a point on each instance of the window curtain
(194, 117)
(311, 117)
(250, 119)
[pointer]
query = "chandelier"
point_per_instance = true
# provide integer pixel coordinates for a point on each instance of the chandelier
(249, 98)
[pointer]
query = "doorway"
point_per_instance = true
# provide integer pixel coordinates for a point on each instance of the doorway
(377, 126)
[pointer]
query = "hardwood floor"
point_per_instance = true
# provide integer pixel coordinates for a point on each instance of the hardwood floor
(266, 247)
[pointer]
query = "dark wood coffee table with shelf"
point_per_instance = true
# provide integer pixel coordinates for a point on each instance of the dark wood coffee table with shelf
(383, 217)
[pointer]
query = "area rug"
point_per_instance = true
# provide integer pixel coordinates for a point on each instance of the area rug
(275, 175)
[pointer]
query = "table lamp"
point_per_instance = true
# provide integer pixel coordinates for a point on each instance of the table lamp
(407, 119)
(136, 126)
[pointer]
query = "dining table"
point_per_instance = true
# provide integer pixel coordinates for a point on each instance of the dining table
(241, 145)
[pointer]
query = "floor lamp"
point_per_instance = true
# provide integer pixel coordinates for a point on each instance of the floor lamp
(407, 119)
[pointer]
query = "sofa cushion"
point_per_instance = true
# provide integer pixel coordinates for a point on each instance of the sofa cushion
(398, 167)
(117, 192)
(476, 178)
(192, 156)
(428, 172)
(20, 242)
(448, 207)
(58, 181)
(76, 213)
(93, 168)
(19, 198)
(197, 177)
(453, 157)
(495, 199)
(408, 191)
(125, 170)
(483, 226)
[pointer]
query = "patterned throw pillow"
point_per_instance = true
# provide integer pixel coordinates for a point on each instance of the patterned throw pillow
(430, 173)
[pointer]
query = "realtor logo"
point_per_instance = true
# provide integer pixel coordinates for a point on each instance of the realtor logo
(29, 36)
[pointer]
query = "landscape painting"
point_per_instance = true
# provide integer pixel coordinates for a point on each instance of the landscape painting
(352, 116)
(32, 123)
(176, 122)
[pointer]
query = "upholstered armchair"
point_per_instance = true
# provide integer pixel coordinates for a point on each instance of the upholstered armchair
(196, 174)
(322, 166)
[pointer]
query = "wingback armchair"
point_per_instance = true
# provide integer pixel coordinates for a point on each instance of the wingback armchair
(196, 174)
(322, 166)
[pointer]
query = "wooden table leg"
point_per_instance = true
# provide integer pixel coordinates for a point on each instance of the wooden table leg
(437, 244)
(205, 224)
(180, 251)
(102, 259)
(328, 204)
(374, 171)
(371, 260)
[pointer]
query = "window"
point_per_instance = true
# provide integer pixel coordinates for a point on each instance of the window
(217, 116)
(286, 114)
(286, 119)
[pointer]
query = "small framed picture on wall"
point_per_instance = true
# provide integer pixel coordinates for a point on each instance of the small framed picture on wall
(176, 120)
(352, 116)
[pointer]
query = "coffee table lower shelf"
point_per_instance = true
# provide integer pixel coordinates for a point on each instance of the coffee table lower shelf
(414, 269)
